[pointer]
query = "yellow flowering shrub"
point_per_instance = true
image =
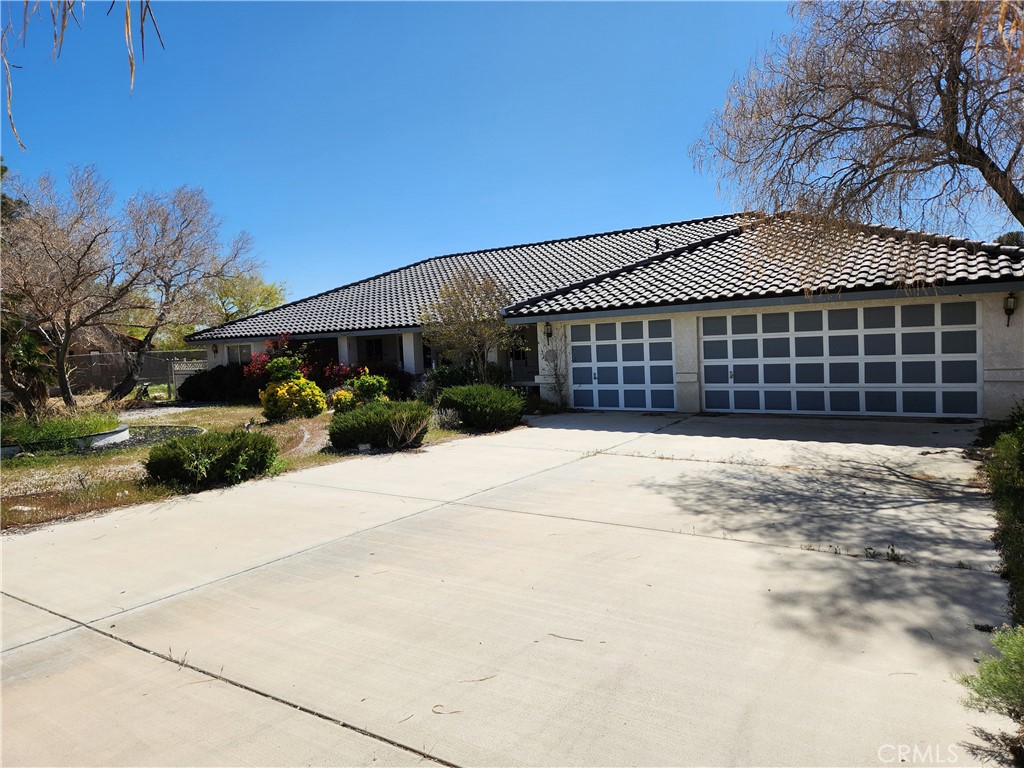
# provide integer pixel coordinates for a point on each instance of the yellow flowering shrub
(283, 400)
(342, 401)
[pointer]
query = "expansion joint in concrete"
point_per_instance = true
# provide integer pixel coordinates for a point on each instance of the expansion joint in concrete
(184, 664)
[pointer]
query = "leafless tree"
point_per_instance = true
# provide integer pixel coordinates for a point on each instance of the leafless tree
(67, 265)
(465, 322)
(177, 237)
(908, 113)
(72, 264)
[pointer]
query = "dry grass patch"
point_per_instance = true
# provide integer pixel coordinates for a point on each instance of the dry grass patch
(46, 487)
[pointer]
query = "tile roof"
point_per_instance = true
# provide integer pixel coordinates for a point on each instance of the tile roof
(395, 299)
(733, 266)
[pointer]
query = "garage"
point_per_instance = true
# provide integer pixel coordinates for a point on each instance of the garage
(909, 359)
(622, 365)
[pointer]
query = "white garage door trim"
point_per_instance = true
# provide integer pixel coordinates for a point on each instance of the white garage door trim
(912, 359)
(622, 365)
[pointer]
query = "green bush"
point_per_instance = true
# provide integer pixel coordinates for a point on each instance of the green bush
(285, 368)
(999, 684)
(483, 407)
(444, 376)
(219, 384)
(385, 425)
(1005, 470)
(369, 387)
(56, 433)
(211, 459)
(289, 398)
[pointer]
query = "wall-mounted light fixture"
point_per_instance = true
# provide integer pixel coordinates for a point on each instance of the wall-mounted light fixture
(1009, 306)
(547, 330)
(215, 350)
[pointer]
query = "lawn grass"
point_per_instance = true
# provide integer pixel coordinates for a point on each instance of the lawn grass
(49, 486)
(19, 430)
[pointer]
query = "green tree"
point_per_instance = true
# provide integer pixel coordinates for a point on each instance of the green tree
(244, 294)
(465, 322)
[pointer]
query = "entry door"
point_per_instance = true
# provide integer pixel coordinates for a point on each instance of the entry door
(623, 365)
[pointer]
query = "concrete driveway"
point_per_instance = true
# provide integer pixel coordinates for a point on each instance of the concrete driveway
(594, 589)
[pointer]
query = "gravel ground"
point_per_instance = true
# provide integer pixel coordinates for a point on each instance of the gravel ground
(157, 410)
(139, 436)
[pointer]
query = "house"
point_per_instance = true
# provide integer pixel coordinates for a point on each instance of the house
(693, 316)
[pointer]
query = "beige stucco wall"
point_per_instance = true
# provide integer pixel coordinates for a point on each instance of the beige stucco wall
(1002, 347)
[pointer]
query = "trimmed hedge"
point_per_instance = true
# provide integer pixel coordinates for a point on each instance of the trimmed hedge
(211, 459)
(225, 382)
(483, 407)
(383, 424)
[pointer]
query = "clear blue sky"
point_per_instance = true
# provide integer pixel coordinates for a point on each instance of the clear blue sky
(352, 138)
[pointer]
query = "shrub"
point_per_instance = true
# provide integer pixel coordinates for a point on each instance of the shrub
(369, 387)
(55, 433)
(444, 376)
(289, 398)
(385, 425)
(342, 400)
(447, 418)
(400, 382)
(484, 407)
(212, 458)
(225, 382)
(285, 368)
(1005, 470)
(999, 684)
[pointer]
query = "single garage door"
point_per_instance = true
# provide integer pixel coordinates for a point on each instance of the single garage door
(910, 359)
(622, 365)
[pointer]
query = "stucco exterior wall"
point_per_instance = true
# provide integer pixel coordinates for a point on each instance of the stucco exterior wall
(1002, 357)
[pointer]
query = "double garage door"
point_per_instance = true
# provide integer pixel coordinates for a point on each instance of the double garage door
(911, 359)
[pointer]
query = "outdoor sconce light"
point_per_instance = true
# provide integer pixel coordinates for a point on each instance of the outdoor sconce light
(1009, 306)
(215, 350)
(548, 331)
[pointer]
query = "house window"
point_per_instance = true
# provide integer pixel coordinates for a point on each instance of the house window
(239, 354)
(375, 350)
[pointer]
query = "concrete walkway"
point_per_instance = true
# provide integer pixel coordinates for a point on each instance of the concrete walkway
(595, 589)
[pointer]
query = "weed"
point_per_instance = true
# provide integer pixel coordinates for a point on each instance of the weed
(891, 555)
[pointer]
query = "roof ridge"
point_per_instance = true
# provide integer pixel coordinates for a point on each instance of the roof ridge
(701, 220)
(429, 259)
(511, 308)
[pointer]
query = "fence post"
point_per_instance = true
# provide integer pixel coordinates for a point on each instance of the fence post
(172, 393)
